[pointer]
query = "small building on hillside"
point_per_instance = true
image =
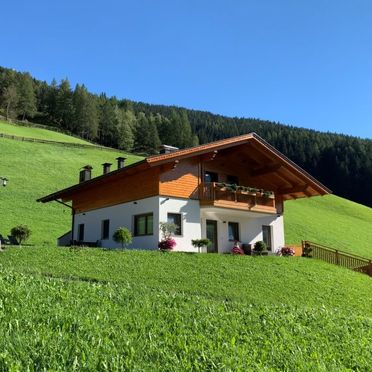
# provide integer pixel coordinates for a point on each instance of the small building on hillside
(232, 189)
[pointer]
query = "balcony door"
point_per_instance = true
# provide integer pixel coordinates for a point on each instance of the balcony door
(212, 236)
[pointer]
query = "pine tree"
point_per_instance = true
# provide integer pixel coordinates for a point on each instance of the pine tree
(85, 113)
(126, 125)
(186, 139)
(108, 121)
(146, 136)
(64, 106)
(27, 99)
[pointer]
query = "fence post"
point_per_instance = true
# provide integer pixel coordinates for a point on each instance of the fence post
(337, 258)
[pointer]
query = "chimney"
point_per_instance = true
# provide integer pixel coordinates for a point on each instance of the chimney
(106, 167)
(85, 173)
(121, 161)
(166, 149)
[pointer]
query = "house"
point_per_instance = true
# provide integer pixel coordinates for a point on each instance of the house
(232, 189)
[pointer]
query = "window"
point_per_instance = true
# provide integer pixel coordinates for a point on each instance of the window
(81, 232)
(105, 229)
(233, 231)
(143, 224)
(232, 180)
(210, 177)
(266, 236)
(176, 218)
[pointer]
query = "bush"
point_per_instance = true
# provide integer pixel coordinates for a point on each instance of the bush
(259, 246)
(167, 229)
(287, 251)
(200, 243)
(123, 236)
(21, 233)
(167, 244)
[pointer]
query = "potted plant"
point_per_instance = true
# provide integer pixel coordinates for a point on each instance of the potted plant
(306, 251)
(200, 243)
(287, 251)
(259, 247)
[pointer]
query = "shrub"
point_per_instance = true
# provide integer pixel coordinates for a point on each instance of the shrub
(123, 236)
(200, 243)
(306, 252)
(287, 251)
(21, 233)
(167, 244)
(259, 246)
(167, 229)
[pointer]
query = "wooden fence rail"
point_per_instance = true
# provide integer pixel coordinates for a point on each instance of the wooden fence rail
(337, 257)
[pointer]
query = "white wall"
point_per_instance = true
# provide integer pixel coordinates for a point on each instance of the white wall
(250, 227)
(120, 215)
(193, 223)
(190, 211)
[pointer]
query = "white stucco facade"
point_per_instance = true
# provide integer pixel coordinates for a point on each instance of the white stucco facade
(193, 223)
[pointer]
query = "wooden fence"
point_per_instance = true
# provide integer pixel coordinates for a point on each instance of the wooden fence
(337, 257)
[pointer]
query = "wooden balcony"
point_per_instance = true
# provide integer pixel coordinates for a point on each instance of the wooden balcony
(212, 194)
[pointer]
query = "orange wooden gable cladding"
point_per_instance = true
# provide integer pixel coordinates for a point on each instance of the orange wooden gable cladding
(118, 190)
(181, 181)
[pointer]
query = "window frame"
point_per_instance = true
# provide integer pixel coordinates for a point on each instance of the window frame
(230, 223)
(181, 222)
(103, 236)
(270, 235)
(81, 231)
(146, 215)
(213, 174)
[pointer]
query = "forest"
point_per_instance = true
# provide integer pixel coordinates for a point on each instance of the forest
(343, 163)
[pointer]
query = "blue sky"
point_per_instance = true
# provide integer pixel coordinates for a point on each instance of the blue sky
(304, 63)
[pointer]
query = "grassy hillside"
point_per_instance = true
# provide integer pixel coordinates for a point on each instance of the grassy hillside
(332, 221)
(35, 170)
(109, 310)
(38, 133)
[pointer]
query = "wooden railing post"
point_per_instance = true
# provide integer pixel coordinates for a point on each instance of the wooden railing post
(337, 258)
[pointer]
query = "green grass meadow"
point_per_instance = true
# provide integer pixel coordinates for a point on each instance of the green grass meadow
(332, 221)
(38, 133)
(35, 170)
(91, 309)
(112, 310)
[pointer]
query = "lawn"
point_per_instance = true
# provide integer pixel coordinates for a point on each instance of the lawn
(38, 133)
(35, 170)
(92, 309)
(332, 221)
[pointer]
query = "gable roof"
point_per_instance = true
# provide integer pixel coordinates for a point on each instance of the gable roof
(157, 160)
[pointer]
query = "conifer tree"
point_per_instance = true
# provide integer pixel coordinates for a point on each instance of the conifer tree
(64, 106)
(108, 121)
(126, 126)
(146, 137)
(85, 113)
(27, 98)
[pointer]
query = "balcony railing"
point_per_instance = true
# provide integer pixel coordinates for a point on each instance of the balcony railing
(237, 197)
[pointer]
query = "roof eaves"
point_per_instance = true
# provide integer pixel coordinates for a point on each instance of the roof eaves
(292, 163)
(77, 187)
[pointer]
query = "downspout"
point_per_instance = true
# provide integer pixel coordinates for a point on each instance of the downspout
(73, 218)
